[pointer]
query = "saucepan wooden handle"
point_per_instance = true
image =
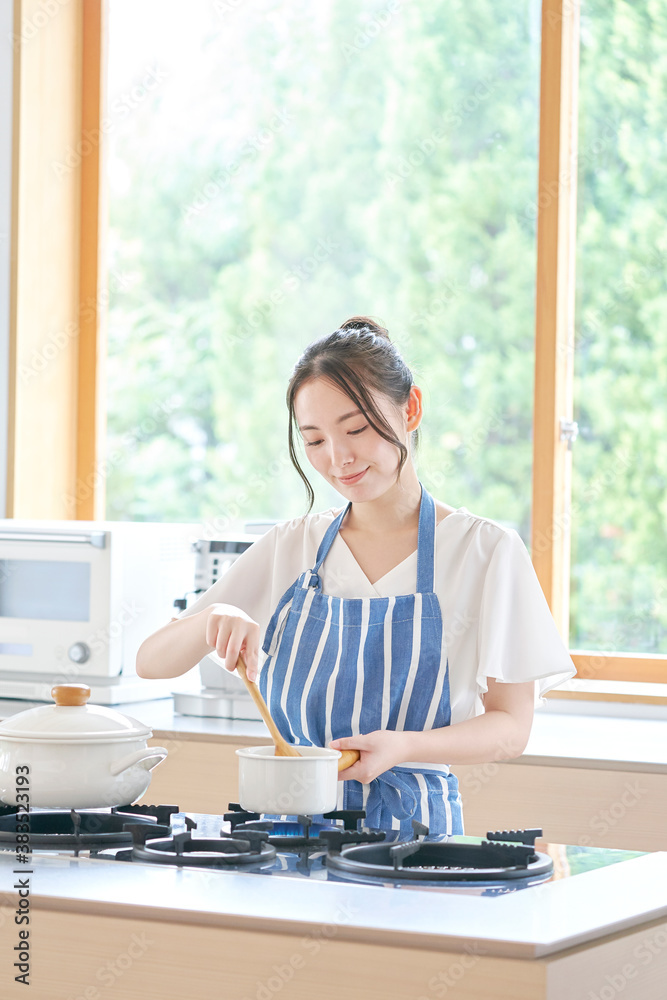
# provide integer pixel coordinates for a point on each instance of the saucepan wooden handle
(347, 759)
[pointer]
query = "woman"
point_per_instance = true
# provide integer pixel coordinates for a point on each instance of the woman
(399, 626)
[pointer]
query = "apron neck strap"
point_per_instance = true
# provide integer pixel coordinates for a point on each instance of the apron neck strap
(425, 543)
(329, 536)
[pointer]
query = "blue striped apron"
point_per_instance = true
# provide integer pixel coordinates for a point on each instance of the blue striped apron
(339, 667)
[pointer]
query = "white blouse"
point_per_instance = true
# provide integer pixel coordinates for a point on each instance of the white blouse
(496, 621)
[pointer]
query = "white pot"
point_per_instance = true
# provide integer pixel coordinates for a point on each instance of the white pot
(74, 756)
(288, 785)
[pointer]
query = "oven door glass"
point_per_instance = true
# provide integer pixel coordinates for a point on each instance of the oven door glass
(45, 590)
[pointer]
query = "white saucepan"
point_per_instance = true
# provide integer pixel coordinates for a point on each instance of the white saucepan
(74, 756)
(288, 785)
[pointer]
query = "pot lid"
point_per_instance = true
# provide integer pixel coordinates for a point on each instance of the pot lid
(72, 719)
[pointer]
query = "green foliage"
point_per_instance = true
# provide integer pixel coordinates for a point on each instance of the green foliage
(378, 158)
(619, 551)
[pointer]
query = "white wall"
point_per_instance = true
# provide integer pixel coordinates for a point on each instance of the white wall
(6, 62)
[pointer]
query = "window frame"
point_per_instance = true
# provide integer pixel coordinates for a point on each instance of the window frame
(57, 303)
(554, 344)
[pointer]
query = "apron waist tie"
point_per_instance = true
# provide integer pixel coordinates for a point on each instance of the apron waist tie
(392, 791)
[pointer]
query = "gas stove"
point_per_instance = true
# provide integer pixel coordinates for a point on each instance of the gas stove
(337, 849)
(78, 831)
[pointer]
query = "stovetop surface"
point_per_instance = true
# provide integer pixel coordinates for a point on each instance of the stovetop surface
(311, 862)
(296, 851)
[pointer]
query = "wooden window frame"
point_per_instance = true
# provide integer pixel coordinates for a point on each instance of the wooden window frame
(57, 299)
(554, 343)
(80, 35)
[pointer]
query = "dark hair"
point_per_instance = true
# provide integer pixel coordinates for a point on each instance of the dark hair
(360, 359)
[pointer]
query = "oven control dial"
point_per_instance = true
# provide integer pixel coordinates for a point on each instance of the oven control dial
(79, 652)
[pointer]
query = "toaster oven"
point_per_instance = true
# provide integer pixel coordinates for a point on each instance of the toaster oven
(77, 598)
(212, 691)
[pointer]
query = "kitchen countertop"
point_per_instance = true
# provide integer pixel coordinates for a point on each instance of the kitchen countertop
(557, 739)
(529, 923)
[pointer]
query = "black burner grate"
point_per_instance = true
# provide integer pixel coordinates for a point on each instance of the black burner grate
(77, 830)
(423, 860)
(184, 849)
(291, 833)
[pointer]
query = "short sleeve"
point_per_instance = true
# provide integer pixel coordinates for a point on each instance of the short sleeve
(518, 639)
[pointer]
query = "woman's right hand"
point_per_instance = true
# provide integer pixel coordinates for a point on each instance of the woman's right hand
(230, 631)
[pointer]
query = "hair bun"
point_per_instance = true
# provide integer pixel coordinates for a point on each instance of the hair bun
(365, 323)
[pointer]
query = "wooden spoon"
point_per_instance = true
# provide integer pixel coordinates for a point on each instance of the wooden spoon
(283, 748)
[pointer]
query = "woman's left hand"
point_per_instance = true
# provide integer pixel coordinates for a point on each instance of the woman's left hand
(379, 751)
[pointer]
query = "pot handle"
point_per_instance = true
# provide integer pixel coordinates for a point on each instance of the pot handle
(347, 759)
(149, 754)
(5, 785)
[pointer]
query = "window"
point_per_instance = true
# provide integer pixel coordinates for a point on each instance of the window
(237, 146)
(281, 167)
(619, 533)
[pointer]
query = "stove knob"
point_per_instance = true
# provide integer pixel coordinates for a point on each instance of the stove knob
(79, 652)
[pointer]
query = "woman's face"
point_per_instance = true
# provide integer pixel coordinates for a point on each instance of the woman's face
(342, 446)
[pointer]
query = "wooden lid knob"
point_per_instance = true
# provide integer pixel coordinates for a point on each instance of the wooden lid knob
(70, 694)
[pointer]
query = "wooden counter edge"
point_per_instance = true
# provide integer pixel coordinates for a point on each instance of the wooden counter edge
(345, 932)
